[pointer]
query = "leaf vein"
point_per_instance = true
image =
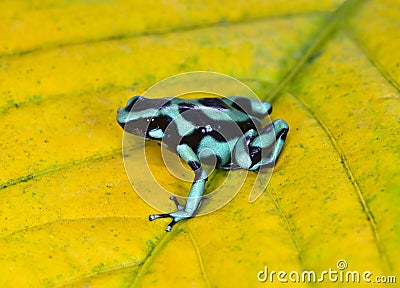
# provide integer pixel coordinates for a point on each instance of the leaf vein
(333, 23)
(29, 177)
(178, 29)
(39, 226)
(375, 62)
(288, 228)
(93, 274)
(196, 248)
(353, 180)
(152, 255)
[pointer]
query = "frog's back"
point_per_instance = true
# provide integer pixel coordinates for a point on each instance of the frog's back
(216, 113)
(228, 105)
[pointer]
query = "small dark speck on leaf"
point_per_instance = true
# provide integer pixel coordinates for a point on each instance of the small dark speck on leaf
(314, 56)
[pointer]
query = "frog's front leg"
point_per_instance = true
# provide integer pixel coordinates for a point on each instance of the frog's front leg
(194, 199)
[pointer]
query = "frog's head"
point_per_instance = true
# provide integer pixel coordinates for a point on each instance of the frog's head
(143, 117)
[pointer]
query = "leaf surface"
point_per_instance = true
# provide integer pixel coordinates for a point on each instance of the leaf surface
(69, 216)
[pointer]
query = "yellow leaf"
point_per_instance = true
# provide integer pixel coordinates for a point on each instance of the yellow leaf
(68, 214)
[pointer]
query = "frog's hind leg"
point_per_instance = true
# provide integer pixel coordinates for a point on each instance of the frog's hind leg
(195, 198)
(265, 149)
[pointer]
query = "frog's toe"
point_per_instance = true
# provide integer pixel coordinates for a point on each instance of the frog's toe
(176, 217)
(170, 225)
(158, 216)
(175, 200)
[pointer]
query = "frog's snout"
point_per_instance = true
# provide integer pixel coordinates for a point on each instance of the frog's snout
(121, 117)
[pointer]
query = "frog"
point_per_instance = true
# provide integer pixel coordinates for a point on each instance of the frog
(229, 130)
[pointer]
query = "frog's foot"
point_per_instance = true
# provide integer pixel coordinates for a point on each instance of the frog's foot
(181, 214)
(176, 216)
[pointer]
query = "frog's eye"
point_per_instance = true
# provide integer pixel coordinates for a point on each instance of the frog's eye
(132, 102)
(160, 122)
